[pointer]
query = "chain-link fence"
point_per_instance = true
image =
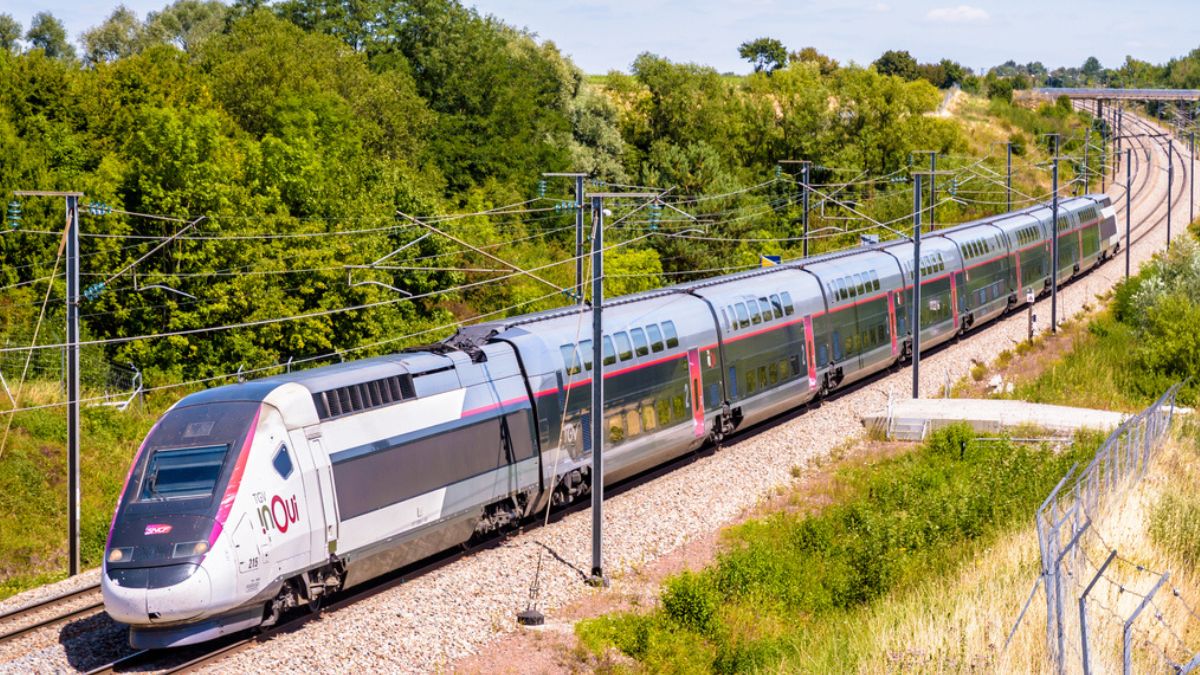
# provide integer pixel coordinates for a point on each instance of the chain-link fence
(1080, 579)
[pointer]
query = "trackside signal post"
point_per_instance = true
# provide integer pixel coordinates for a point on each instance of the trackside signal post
(578, 228)
(71, 244)
(805, 167)
(598, 577)
(915, 310)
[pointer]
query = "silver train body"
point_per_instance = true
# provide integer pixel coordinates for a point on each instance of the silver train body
(246, 500)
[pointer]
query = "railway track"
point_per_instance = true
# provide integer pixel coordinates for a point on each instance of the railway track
(196, 658)
(50, 605)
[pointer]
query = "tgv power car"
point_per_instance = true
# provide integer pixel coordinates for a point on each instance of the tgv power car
(246, 500)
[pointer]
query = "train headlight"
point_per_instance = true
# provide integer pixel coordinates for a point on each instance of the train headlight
(120, 554)
(190, 548)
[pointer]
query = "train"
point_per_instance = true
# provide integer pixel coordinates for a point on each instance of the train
(247, 500)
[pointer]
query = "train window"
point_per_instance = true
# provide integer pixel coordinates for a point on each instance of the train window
(765, 308)
(663, 407)
(794, 362)
(616, 428)
(624, 349)
(649, 423)
(639, 341)
(755, 317)
(777, 306)
(742, 316)
(585, 350)
(762, 376)
(610, 356)
(841, 289)
(633, 423)
(874, 281)
(183, 472)
(787, 303)
(656, 341)
(751, 381)
(282, 462)
(570, 357)
(678, 408)
(669, 333)
(725, 320)
(773, 373)
(860, 284)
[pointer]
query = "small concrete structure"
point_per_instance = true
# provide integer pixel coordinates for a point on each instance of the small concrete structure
(913, 420)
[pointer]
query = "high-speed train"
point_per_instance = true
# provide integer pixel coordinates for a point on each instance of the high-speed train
(249, 499)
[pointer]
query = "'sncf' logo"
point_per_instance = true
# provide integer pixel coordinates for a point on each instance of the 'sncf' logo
(156, 528)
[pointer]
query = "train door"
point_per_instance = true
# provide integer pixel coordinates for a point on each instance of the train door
(891, 305)
(810, 353)
(697, 391)
(954, 296)
(324, 510)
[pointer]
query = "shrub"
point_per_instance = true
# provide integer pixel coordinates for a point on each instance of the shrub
(690, 601)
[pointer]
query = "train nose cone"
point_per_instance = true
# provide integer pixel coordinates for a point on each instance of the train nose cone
(157, 595)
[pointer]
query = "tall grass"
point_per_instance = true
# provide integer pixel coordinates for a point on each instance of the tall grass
(789, 591)
(33, 482)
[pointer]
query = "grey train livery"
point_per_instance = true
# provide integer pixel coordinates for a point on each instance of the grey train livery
(249, 499)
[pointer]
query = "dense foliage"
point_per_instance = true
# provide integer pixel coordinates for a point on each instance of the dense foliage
(304, 130)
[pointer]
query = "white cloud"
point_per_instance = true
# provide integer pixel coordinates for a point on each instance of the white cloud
(959, 14)
(881, 7)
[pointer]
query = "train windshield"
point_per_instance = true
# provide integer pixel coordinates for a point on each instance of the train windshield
(179, 473)
(191, 452)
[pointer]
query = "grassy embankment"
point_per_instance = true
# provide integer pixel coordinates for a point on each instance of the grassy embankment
(33, 485)
(925, 561)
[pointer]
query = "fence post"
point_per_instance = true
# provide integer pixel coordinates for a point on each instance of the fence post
(1073, 544)
(1127, 629)
(1083, 630)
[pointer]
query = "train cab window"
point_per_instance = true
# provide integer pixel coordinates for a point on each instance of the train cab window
(669, 333)
(656, 339)
(777, 306)
(639, 341)
(787, 303)
(742, 316)
(624, 349)
(183, 473)
(570, 358)
(765, 308)
(755, 317)
(282, 462)
(585, 351)
(610, 356)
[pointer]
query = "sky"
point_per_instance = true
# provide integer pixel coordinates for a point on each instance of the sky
(603, 35)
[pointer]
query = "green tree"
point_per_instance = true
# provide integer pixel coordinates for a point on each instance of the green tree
(48, 34)
(187, 23)
(1092, 69)
(10, 34)
(764, 53)
(897, 62)
(121, 35)
(824, 63)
